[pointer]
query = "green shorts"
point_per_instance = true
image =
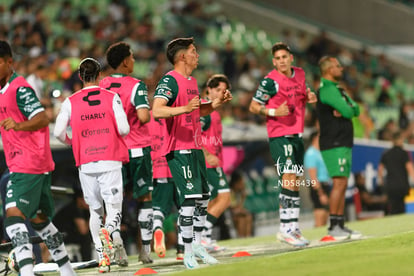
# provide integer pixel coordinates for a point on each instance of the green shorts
(288, 154)
(164, 195)
(30, 193)
(139, 172)
(217, 181)
(188, 169)
(338, 161)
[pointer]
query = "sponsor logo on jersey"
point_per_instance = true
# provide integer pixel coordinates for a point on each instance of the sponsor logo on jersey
(92, 132)
(93, 116)
(95, 150)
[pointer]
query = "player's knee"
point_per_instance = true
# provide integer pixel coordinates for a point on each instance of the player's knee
(14, 212)
(98, 211)
(39, 225)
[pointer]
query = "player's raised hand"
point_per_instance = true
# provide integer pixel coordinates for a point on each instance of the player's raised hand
(227, 96)
(311, 97)
(193, 104)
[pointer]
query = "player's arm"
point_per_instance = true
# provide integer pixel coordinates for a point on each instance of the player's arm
(38, 121)
(410, 170)
(120, 116)
(141, 103)
(380, 174)
(267, 89)
(30, 106)
(355, 105)
(331, 96)
(165, 95)
(62, 122)
(161, 110)
(208, 107)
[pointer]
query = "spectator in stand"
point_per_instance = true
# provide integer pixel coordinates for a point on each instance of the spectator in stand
(386, 132)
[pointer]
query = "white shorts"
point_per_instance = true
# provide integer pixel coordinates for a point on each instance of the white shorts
(102, 187)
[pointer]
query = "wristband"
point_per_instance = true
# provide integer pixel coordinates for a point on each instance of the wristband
(272, 112)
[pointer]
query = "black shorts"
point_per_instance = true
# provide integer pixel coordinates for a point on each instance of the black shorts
(315, 197)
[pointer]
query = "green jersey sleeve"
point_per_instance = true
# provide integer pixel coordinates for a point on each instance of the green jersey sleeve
(140, 98)
(267, 89)
(205, 122)
(167, 89)
(331, 95)
(28, 102)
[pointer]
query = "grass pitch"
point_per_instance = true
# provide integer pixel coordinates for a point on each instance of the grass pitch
(386, 249)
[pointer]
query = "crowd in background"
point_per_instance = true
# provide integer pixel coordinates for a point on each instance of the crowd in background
(49, 39)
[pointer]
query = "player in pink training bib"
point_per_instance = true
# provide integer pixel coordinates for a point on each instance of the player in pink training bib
(25, 135)
(281, 97)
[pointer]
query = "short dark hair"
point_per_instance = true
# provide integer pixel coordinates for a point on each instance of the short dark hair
(177, 45)
(215, 80)
(89, 69)
(116, 54)
(280, 46)
(5, 49)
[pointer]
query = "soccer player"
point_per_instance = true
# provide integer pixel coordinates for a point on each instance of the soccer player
(335, 110)
(213, 153)
(25, 134)
(98, 123)
(164, 194)
(281, 97)
(177, 99)
(134, 96)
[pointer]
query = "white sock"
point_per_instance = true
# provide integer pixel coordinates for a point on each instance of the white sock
(145, 218)
(186, 227)
(54, 242)
(284, 214)
(207, 231)
(179, 235)
(158, 220)
(200, 216)
(95, 224)
(113, 221)
(294, 213)
(26, 270)
(24, 249)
